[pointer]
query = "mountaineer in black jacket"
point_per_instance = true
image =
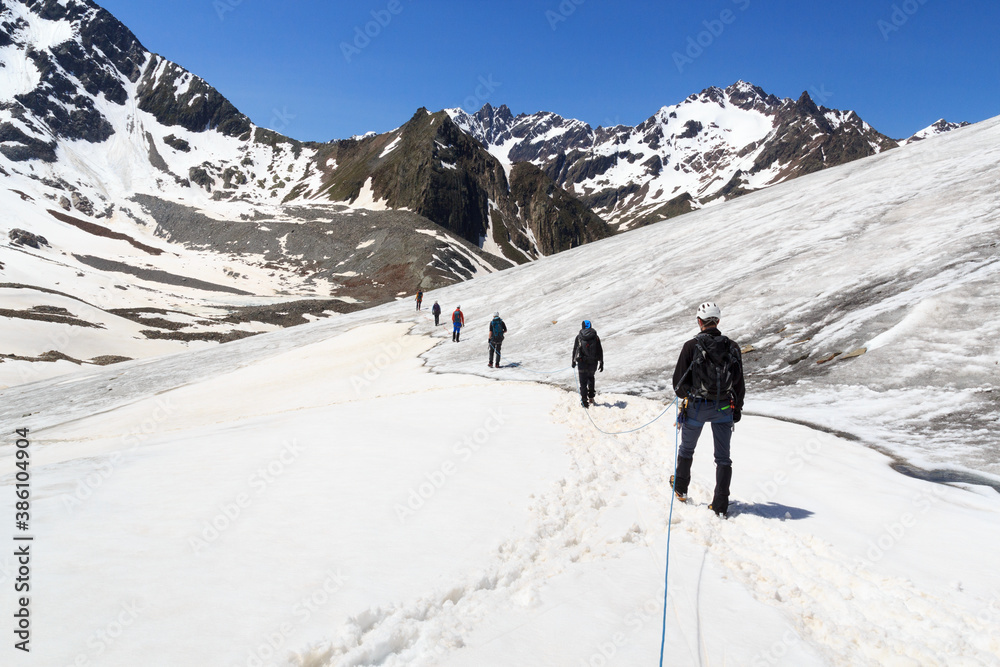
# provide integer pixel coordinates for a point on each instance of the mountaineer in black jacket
(589, 356)
(497, 331)
(709, 379)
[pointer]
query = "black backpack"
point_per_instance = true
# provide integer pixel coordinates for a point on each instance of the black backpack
(588, 348)
(715, 367)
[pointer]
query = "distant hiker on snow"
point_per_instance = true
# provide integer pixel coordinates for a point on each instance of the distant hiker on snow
(420, 298)
(497, 330)
(458, 321)
(436, 312)
(709, 379)
(589, 356)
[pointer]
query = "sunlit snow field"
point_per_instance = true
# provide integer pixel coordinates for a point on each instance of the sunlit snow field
(361, 490)
(335, 502)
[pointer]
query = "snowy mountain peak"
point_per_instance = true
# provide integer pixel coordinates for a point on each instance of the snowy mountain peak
(155, 194)
(936, 128)
(716, 144)
(141, 175)
(73, 69)
(741, 94)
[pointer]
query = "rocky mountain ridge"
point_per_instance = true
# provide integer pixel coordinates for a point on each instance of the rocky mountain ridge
(88, 79)
(171, 220)
(714, 145)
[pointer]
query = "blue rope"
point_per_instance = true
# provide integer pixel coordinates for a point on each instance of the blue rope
(666, 574)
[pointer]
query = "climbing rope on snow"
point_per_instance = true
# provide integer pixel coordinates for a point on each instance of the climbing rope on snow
(670, 516)
(631, 430)
(666, 573)
(517, 365)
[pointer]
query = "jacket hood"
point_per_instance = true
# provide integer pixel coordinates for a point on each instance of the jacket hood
(587, 334)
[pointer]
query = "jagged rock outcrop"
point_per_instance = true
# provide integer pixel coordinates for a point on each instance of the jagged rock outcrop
(22, 237)
(432, 167)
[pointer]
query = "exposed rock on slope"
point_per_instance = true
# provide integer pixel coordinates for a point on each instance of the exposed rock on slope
(557, 219)
(433, 168)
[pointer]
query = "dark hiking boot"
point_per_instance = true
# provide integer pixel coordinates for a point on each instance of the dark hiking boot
(682, 477)
(490, 364)
(680, 496)
(720, 501)
(584, 403)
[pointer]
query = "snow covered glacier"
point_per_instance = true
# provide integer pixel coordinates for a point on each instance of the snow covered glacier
(362, 491)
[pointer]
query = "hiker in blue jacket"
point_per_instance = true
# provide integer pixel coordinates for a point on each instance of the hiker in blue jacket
(588, 355)
(497, 330)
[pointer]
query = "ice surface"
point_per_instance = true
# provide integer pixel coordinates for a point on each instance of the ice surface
(317, 497)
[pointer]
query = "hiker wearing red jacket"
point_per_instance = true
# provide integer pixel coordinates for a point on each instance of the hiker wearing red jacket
(458, 320)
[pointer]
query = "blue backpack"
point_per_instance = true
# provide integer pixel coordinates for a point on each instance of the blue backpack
(496, 328)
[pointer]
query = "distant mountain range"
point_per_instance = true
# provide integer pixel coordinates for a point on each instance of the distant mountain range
(717, 144)
(101, 138)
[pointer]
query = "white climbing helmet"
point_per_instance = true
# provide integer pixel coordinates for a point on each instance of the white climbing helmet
(496, 314)
(709, 311)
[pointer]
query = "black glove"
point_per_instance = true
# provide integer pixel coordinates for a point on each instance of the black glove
(601, 368)
(573, 365)
(737, 414)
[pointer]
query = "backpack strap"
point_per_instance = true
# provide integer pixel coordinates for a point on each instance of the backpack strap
(690, 366)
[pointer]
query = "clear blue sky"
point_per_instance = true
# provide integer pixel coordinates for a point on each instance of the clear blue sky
(901, 65)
